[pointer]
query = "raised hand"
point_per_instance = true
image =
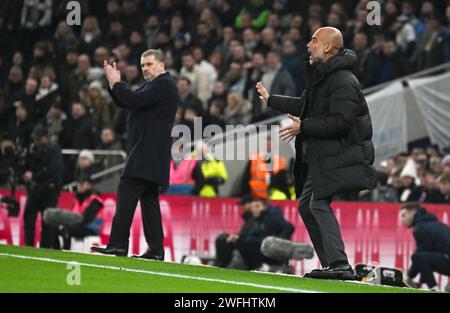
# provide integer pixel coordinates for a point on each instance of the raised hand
(290, 132)
(111, 73)
(263, 94)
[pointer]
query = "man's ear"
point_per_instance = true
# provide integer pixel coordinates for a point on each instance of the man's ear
(327, 48)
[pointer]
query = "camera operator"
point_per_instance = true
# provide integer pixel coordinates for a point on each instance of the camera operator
(42, 176)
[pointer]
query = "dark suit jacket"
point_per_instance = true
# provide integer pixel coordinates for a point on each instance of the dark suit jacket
(152, 110)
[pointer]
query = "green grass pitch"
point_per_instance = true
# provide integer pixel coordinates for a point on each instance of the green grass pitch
(39, 270)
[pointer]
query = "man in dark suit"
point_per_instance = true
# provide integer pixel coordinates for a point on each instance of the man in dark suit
(152, 110)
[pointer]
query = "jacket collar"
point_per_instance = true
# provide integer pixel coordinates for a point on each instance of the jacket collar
(344, 59)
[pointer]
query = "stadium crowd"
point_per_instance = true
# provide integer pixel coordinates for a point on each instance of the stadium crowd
(51, 73)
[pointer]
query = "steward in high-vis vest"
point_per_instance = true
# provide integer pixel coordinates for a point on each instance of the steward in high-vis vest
(83, 220)
(208, 174)
(265, 176)
(181, 181)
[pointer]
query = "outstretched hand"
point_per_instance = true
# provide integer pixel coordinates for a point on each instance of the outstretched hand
(291, 131)
(263, 94)
(111, 72)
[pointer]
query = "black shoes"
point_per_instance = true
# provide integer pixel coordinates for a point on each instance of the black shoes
(341, 272)
(110, 250)
(149, 255)
(343, 268)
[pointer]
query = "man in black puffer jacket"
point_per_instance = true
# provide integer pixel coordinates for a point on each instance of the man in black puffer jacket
(432, 245)
(333, 131)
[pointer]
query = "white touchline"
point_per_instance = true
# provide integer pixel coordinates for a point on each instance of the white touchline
(116, 268)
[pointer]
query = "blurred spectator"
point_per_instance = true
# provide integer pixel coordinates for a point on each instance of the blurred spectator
(91, 35)
(433, 48)
(78, 77)
(268, 221)
(277, 78)
(392, 65)
(21, 126)
(209, 173)
(408, 11)
(206, 68)
(235, 79)
(109, 142)
(79, 131)
(432, 246)
(265, 176)
(54, 122)
(444, 187)
(238, 110)
(99, 104)
(410, 191)
(294, 64)
(199, 79)
(47, 94)
(254, 71)
(188, 100)
(226, 243)
(255, 13)
(85, 164)
(363, 62)
(15, 82)
(152, 29)
(85, 217)
(181, 181)
(204, 38)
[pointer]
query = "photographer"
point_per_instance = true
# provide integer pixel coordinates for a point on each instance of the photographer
(42, 176)
(84, 219)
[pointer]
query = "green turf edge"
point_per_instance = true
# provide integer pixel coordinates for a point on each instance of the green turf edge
(32, 276)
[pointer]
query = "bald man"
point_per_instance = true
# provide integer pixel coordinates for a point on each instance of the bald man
(334, 151)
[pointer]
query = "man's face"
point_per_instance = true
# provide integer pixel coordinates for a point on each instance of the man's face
(316, 49)
(389, 48)
(444, 187)
(188, 62)
(183, 86)
(83, 187)
(107, 135)
(360, 41)
(407, 181)
(247, 207)
(257, 208)
(407, 217)
(77, 110)
(131, 72)
(83, 63)
(151, 67)
(273, 60)
(31, 86)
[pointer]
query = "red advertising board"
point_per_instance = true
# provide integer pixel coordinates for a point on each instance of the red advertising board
(372, 232)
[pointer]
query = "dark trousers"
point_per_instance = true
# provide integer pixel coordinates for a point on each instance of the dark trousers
(129, 192)
(322, 226)
(425, 263)
(224, 250)
(75, 231)
(38, 201)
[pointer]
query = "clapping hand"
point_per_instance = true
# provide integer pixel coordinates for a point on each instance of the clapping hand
(111, 72)
(263, 94)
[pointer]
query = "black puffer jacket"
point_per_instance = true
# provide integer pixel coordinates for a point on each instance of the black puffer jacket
(337, 129)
